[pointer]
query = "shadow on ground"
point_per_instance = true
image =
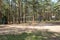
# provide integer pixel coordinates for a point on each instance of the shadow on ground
(35, 34)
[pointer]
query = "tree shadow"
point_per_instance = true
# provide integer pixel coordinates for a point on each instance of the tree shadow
(3, 26)
(35, 34)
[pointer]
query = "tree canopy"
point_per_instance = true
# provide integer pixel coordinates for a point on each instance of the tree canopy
(18, 11)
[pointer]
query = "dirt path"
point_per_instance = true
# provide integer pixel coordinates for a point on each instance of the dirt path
(17, 28)
(51, 28)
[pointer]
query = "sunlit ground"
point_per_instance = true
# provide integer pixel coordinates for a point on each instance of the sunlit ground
(34, 35)
(31, 31)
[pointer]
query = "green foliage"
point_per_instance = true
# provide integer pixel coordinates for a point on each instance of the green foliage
(37, 35)
(22, 10)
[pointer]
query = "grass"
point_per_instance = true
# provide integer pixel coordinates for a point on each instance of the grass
(37, 35)
(53, 21)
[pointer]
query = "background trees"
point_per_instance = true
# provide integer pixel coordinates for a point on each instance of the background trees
(19, 11)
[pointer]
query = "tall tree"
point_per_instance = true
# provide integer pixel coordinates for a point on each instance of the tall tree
(57, 9)
(19, 10)
(0, 4)
(47, 9)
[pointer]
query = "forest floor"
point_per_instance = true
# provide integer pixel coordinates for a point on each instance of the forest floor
(43, 31)
(14, 28)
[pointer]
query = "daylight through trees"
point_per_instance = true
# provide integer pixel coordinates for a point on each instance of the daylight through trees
(25, 11)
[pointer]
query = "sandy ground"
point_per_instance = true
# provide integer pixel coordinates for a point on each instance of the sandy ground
(51, 28)
(6, 29)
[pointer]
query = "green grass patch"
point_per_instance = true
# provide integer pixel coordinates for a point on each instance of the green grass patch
(38, 35)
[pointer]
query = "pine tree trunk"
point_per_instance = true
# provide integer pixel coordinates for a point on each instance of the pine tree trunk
(33, 11)
(19, 2)
(0, 9)
(0, 4)
(26, 7)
